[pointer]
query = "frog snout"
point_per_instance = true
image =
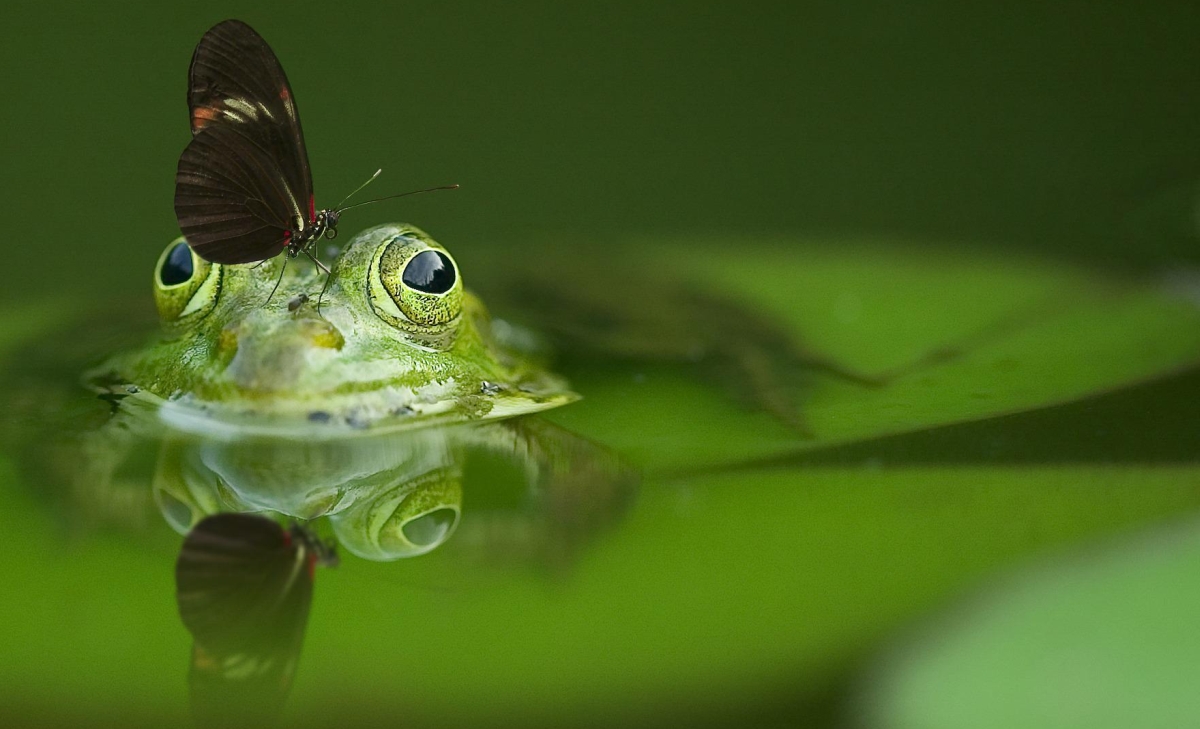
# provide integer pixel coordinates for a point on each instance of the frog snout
(305, 332)
(276, 356)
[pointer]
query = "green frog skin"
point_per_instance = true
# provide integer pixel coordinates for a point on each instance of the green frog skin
(397, 342)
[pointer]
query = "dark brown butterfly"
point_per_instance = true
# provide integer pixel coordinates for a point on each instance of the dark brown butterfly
(244, 585)
(243, 188)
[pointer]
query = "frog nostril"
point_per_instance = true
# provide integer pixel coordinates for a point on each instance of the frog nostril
(323, 334)
(331, 339)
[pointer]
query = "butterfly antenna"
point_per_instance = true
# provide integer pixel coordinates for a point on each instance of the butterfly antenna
(403, 194)
(358, 189)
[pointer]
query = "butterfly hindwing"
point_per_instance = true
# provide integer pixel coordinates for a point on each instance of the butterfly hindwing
(231, 199)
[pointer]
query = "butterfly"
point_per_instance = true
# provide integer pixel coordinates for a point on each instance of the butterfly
(244, 584)
(243, 187)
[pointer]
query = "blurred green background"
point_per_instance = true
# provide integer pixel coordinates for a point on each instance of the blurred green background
(1027, 124)
(1068, 130)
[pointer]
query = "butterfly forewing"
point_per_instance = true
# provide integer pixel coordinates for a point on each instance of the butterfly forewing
(243, 189)
(235, 78)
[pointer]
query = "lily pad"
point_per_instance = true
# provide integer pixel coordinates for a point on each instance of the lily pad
(1100, 640)
(962, 335)
(953, 335)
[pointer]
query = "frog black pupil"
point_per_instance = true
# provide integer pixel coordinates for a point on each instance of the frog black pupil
(177, 268)
(429, 271)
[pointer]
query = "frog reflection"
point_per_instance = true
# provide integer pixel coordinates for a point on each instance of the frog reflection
(395, 495)
(244, 584)
(385, 496)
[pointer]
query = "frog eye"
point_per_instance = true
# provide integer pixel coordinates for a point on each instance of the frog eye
(185, 285)
(421, 288)
(430, 272)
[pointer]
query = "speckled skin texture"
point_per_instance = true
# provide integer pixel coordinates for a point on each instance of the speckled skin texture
(376, 351)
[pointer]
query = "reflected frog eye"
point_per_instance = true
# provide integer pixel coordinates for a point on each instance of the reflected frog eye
(185, 285)
(411, 518)
(416, 286)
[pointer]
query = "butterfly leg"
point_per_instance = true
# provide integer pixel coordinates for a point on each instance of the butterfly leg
(328, 275)
(315, 260)
(278, 280)
(321, 296)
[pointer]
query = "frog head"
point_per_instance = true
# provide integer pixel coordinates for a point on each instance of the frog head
(390, 338)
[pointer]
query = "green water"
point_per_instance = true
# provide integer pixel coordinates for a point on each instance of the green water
(981, 201)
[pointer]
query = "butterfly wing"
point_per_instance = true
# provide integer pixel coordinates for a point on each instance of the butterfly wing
(235, 79)
(243, 188)
(243, 586)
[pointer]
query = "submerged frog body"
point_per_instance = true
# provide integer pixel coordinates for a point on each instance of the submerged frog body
(391, 340)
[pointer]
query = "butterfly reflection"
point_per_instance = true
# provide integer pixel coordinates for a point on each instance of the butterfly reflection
(244, 585)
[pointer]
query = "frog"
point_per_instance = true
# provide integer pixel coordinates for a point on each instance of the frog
(354, 400)
(390, 339)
